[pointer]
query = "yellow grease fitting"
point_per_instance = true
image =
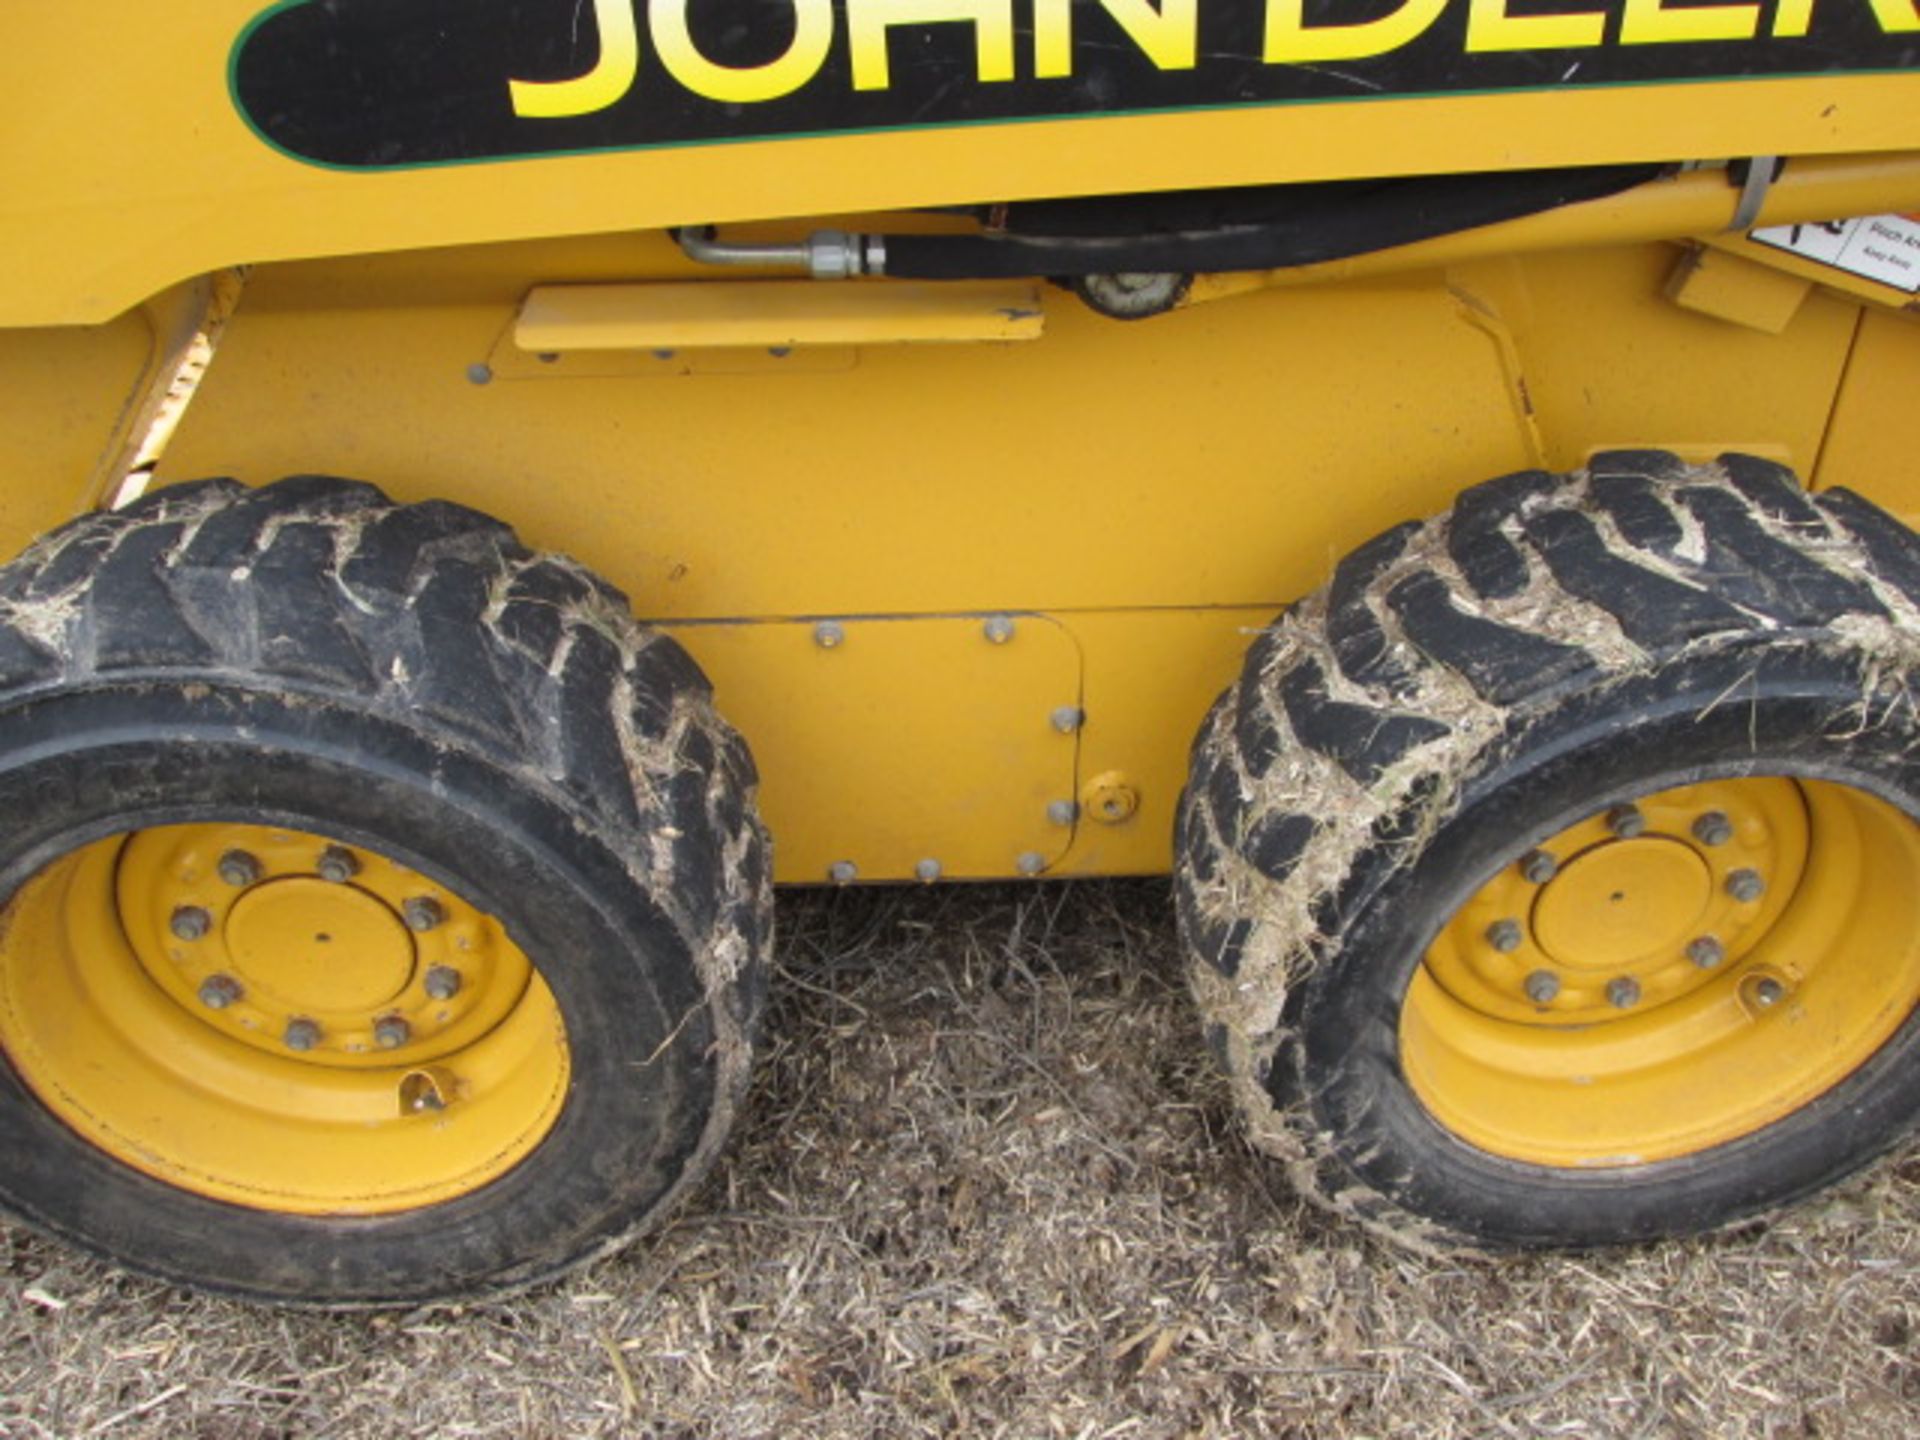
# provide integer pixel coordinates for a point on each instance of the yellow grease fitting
(1695, 1065)
(129, 1057)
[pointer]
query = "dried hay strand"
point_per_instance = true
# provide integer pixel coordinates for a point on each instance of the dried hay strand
(989, 1185)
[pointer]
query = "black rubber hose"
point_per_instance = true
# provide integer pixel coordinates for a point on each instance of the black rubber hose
(1262, 228)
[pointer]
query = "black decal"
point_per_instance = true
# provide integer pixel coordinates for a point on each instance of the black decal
(385, 83)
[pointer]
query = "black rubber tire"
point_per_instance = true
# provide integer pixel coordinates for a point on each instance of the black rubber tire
(1465, 688)
(412, 679)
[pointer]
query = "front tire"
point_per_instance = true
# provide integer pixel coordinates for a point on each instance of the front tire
(387, 915)
(1552, 878)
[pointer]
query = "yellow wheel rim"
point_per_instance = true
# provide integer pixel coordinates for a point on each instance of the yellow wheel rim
(1671, 975)
(278, 1020)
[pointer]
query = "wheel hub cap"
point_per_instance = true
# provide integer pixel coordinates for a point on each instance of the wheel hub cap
(317, 948)
(1671, 986)
(243, 1012)
(1622, 903)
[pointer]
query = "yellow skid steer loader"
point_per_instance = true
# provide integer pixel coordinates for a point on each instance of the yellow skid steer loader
(498, 485)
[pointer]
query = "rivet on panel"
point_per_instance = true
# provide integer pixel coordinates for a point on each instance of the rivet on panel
(1069, 718)
(843, 872)
(927, 871)
(829, 635)
(1032, 862)
(998, 629)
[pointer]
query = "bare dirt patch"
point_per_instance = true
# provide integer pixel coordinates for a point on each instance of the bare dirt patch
(988, 1184)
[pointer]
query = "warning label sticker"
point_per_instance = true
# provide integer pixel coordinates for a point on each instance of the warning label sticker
(1880, 247)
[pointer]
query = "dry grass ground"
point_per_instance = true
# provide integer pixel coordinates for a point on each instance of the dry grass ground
(989, 1187)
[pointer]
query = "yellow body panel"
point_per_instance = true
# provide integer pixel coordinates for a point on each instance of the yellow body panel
(139, 171)
(749, 457)
(772, 314)
(1153, 493)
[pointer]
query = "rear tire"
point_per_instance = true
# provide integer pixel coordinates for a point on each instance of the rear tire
(1457, 1042)
(210, 698)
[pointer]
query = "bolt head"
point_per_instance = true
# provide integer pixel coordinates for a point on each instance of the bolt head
(1706, 952)
(1623, 992)
(998, 629)
(843, 872)
(1505, 936)
(829, 635)
(422, 913)
(1626, 821)
(1746, 886)
(338, 864)
(300, 1035)
(927, 871)
(190, 922)
(1766, 992)
(1062, 812)
(390, 1032)
(443, 982)
(217, 992)
(1538, 866)
(1032, 862)
(1543, 987)
(1713, 828)
(239, 869)
(1068, 718)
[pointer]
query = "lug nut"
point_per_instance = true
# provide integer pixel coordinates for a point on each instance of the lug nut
(1746, 886)
(338, 864)
(1765, 992)
(998, 629)
(300, 1035)
(1505, 936)
(443, 982)
(1706, 952)
(190, 922)
(1543, 987)
(422, 913)
(1713, 828)
(239, 869)
(390, 1032)
(217, 992)
(1626, 821)
(1623, 993)
(1538, 866)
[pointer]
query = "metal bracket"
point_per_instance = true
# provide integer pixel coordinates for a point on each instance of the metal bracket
(1762, 171)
